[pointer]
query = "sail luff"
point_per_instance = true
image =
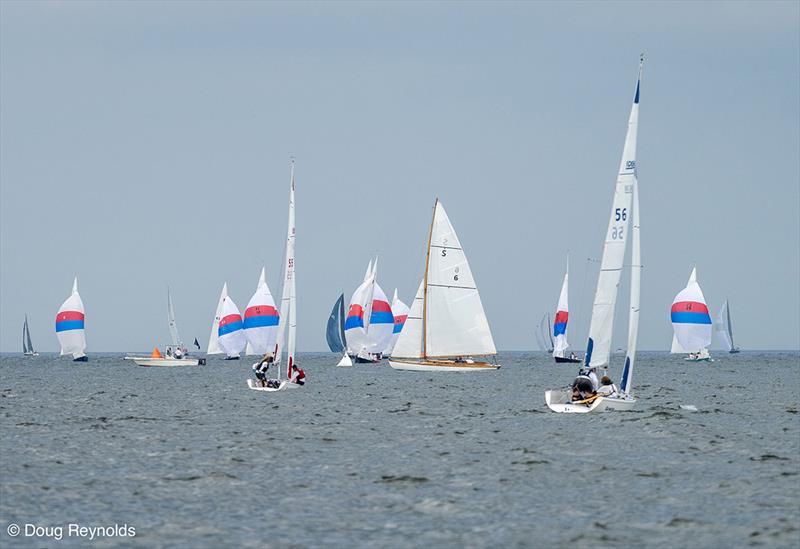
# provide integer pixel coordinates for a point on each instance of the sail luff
(287, 274)
(598, 348)
(425, 284)
(626, 382)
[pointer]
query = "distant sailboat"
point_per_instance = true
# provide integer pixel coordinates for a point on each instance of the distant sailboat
(691, 322)
(27, 345)
(540, 333)
(723, 328)
(381, 322)
(70, 327)
(359, 316)
(213, 339)
(334, 331)
(176, 353)
(560, 325)
(446, 325)
(230, 332)
(598, 348)
(287, 327)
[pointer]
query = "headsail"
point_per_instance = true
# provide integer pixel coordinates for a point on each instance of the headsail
(626, 381)
(261, 319)
(539, 333)
(334, 332)
(70, 324)
(598, 348)
(722, 327)
(690, 319)
(562, 317)
(213, 343)
(400, 313)
(27, 345)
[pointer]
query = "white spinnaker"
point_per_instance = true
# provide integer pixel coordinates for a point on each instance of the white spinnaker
(357, 338)
(636, 281)
(288, 276)
(693, 336)
(560, 343)
(381, 326)
(409, 344)
(601, 328)
(455, 321)
(213, 343)
(231, 336)
(73, 339)
(173, 326)
(722, 327)
(261, 320)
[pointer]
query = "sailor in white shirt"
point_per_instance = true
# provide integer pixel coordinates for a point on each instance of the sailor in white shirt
(607, 388)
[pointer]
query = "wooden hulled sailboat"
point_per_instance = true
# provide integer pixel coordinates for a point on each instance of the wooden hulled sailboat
(446, 327)
(598, 349)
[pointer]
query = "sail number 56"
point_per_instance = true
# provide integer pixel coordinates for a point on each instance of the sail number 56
(620, 214)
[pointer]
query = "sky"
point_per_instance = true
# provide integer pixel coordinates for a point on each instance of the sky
(147, 144)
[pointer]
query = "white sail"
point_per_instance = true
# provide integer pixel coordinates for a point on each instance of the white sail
(690, 319)
(70, 324)
(173, 326)
(562, 317)
(400, 312)
(455, 322)
(213, 343)
(381, 325)
(261, 320)
(288, 276)
(230, 333)
(409, 344)
(359, 311)
(722, 327)
(626, 382)
(601, 328)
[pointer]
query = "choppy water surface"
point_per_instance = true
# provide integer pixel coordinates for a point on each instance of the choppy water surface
(367, 456)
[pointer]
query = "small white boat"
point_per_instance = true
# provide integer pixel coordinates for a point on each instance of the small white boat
(166, 361)
(623, 223)
(27, 344)
(70, 327)
(446, 326)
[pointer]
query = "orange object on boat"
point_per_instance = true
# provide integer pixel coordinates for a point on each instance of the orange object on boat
(156, 353)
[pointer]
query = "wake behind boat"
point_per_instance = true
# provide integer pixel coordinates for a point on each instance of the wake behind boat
(446, 325)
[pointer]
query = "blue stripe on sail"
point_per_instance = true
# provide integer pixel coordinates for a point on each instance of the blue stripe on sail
(560, 328)
(228, 328)
(260, 321)
(624, 383)
(65, 325)
(381, 318)
(353, 322)
(398, 328)
(690, 318)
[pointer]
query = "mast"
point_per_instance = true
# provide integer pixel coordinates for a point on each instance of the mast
(173, 326)
(425, 284)
(286, 294)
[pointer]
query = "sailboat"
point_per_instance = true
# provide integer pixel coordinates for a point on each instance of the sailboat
(261, 320)
(175, 354)
(230, 332)
(446, 325)
(334, 332)
(598, 348)
(691, 322)
(560, 325)
(287, 326)
(361, 346)
(723, 329)
(400, 314)
(27, 345)
(70, 327)
(213, 339)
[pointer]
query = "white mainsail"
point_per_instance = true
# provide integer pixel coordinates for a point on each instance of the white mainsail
(213, 340)
(598, 348)
(636, 281)
(70, 325)
(452, 322)
(722, 327)
(27, 344)
(287, 294)
(173, 326)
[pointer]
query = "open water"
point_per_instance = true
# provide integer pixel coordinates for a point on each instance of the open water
(371, 457)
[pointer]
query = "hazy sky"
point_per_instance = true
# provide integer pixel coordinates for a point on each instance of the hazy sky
(144, 144)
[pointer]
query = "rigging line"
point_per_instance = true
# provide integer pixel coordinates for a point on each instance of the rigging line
(457, 287)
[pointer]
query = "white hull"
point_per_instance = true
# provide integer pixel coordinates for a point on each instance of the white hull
(254, 385)
(560, 401)
(345, 361)
(442, 366)
(702, 359)
(37, 354)
(164, 362)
